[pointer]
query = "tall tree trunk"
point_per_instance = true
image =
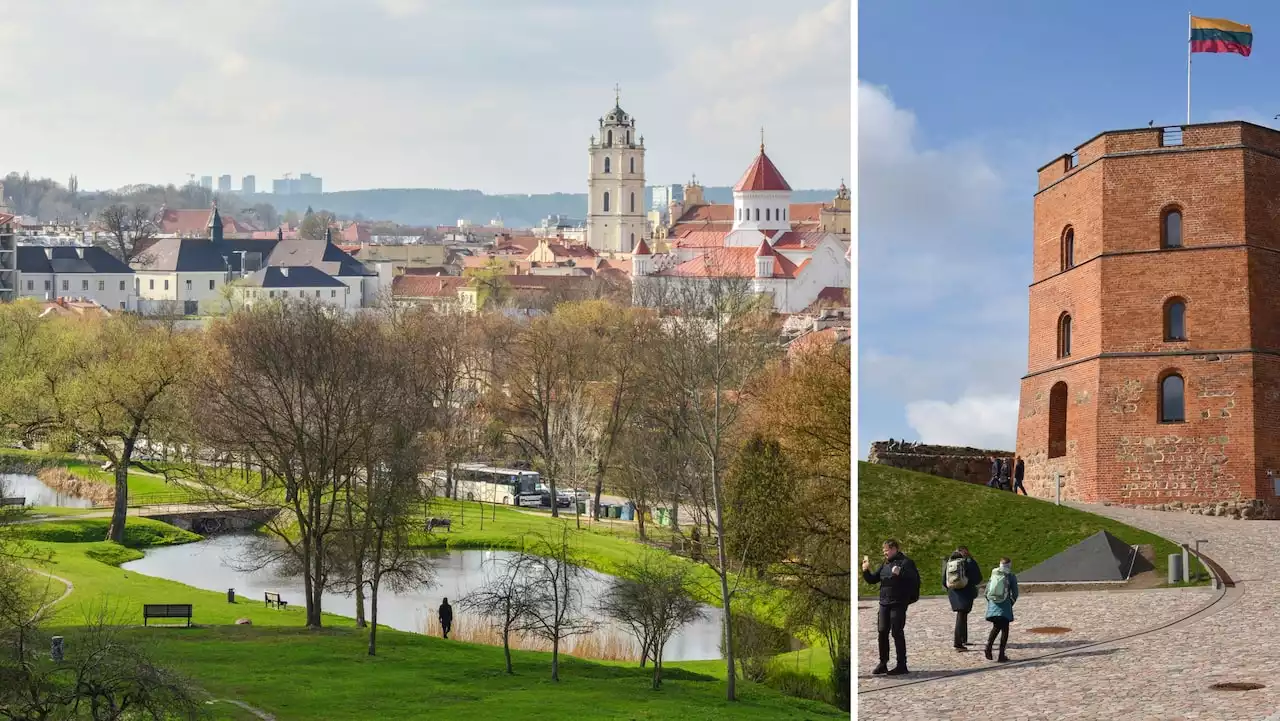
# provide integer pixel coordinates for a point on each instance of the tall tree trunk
(119, 512)
(506, 647)
(599, 486)
(316, 589)
(360, 622)
(555, 659)
(723, 571)
(657, 667)
(373, 614)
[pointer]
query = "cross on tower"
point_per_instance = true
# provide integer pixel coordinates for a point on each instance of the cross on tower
(617, 95)
(761, 138)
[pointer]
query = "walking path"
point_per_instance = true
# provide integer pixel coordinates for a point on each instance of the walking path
(1165, 673)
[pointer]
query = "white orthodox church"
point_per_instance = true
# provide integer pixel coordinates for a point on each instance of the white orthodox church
(616, 221)
(794, 264)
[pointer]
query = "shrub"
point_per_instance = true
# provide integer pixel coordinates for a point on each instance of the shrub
(754, 644)
(138, 532)
(798, 683)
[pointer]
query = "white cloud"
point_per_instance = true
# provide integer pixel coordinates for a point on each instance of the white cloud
(419, 93)
(978, 421)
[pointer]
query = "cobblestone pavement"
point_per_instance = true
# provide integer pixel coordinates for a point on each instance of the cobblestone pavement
(1161, 675)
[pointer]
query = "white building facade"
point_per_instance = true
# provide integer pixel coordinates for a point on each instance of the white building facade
(74, 272)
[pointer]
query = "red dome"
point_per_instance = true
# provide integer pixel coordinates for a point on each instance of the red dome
(762, 175)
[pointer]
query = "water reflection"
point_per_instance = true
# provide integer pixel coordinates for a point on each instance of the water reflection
(204, 565)
(37, 494)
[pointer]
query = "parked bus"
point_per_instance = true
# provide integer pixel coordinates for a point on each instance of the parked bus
(490, 484)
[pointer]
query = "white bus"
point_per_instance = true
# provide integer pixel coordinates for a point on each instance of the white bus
(490, 484)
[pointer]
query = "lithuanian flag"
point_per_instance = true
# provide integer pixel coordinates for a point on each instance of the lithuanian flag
(1214, 35)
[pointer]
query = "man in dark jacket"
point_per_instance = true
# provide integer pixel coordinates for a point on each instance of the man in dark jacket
(996, 467)
(1019, 473)
(899, 587)
(962, 598)
(446, 617)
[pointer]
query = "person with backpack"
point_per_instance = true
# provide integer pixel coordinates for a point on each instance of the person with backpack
(1005, 464)
(1019, 473)
(899, 587)
(961, 577)
(1002, 593)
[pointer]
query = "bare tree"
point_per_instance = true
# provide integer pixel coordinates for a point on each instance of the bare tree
(555, 600)
(650, 597)
(105, 675)
(292, 388)
(504, 600)
(712, 351)
(130, 230)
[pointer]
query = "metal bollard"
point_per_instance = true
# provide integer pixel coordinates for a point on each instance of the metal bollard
(1186, 564)
(1175, 567)
(55, 649)
(231, 595)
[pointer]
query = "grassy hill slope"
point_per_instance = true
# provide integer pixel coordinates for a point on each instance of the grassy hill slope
(930, 516)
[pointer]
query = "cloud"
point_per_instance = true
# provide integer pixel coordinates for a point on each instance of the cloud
(420, 93)
(943, 271)
(977, 421)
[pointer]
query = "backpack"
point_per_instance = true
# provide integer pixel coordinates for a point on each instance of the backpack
(998, 588)
(956, 576)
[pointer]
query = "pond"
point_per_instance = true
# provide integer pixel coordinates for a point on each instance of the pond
(208, 564)
(37, 493)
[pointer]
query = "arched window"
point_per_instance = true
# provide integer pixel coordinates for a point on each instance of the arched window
(757, 214)
(633, 202)
(633, 164)
(1064, 336)
(610, 138)
(1175, 319)
(633, 240)
(784, 213)
(628, 143)
(606, 201)
(766, 213)
(1171, 228)
(1173, 402)
(606, 165)
(1068, 248)
(1058, 420)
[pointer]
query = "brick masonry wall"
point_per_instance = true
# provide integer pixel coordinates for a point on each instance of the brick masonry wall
(971, 465)
(1117, 450)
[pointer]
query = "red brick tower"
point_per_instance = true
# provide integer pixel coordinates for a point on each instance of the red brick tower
(1153, 371)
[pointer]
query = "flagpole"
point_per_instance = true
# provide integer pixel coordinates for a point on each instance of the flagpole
(1188, 68)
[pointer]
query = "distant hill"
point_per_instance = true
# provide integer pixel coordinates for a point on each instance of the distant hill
(430, 206)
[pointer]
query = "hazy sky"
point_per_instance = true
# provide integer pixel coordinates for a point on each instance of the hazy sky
(498, 95)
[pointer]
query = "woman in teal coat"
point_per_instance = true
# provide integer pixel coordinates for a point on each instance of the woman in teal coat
(1002, 593)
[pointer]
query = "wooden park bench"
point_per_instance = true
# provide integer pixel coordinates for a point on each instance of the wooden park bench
(434, 523)
(166, 610)
(273, 599)
(14, 501)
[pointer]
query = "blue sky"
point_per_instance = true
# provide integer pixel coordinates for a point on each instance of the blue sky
(959, 104)
(500, 95)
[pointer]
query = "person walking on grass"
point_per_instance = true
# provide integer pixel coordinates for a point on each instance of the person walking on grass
(995, 473)
(961, 577)
(446, 617)
(1019, 473)
(1002, 593)
(899, 587)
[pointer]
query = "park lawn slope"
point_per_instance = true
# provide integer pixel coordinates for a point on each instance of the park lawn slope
(294, 673)
(930, 516)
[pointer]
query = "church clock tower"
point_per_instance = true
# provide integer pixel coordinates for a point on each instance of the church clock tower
(615, 184)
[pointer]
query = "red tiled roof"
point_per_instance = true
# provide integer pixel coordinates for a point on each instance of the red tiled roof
(427, 286)
(834, 295)
(614, 265)
(794, 239)
(762, 175)
(731, 262)
(701, 239)
(6, 218)
(716, 212)
(196, 222)
(570, 251)
(802, 212)
(355, 233)
(642, 249)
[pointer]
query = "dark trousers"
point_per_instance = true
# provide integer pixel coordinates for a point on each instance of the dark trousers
(962, 628)
(1017, 486)
(445, 625)
(1000, 627)
(893, 620)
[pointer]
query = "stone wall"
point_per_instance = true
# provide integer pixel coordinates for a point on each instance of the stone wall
(971, 465)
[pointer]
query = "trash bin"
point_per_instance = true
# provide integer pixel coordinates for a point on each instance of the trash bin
(662, 516)
(628, 513)
(582, 507)
(231, 595)
(615, 511)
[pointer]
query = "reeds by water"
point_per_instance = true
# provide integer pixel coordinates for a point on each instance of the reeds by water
(605, 643)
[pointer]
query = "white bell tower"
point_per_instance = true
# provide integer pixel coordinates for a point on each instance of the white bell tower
(615, 184)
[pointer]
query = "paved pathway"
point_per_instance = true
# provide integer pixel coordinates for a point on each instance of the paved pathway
(1165, 674)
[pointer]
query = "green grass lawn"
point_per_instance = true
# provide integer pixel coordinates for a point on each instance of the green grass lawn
(294, 673)
(930, 516)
